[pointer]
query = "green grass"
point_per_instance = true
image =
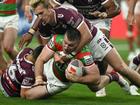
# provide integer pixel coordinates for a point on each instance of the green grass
(80, 95)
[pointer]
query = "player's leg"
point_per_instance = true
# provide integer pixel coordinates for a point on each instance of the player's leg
(104, 81)
(9, 41)
(104, 49)
(129, 33)
(130, 39)
(37, 92)
(3, 63)
(137, 18)
(104, 26)
(102, 68)
(123, 83)
(114, 59)
(10, 34)
(135, 65)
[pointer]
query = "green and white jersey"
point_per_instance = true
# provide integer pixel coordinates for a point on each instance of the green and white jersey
(84, 55)
(7, 7)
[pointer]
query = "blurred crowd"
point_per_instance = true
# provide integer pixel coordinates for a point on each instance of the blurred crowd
(23, 23)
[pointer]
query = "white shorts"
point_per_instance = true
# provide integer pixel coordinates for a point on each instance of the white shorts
(54, 85)
(8, 21)
(100, 46)
(102, 23)
(137, 8)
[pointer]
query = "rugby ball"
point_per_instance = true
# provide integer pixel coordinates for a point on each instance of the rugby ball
(75, 67)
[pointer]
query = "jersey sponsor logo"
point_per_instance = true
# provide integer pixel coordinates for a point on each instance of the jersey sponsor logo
(99, 40)
(88, 60)
(11, 71)
(74, 23)
(27, 80)
(60, 16)
(51, 43)
(103, 45)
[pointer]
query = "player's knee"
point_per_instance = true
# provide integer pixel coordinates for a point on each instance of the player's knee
(8, 49)
(94, 88)
(97, 80)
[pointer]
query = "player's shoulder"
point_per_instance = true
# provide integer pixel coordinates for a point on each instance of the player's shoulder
(85, 56)
(27, 50)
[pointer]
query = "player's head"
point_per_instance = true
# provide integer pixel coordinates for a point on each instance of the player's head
(38, 6)
(71, 41)
(37, 51)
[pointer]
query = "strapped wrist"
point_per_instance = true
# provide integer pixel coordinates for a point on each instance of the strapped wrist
(31, 31)
(38, 79)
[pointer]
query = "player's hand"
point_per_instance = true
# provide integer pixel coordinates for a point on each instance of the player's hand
(99, 14)
(25, 40)
(28, 13)
(71, 76)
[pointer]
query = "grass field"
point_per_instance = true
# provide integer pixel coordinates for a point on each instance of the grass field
(80, 95)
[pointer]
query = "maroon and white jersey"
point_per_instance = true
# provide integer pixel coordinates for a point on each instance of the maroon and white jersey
(66, 17)
(19, 74)
(86, 6)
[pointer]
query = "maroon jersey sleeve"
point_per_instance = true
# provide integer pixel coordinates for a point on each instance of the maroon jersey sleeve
(104, 1)
(26, 68)
(28, 78)
(69, 17)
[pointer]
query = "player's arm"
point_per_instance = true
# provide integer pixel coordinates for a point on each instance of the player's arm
(44, 56)
(112, 8)
(86, 35)
(26, 83)
(91, 75)
(130, 16)
(23, 92)
(27, 38)
(90, 70)
(47, 53)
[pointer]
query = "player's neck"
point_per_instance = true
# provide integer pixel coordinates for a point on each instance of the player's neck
(30, 58)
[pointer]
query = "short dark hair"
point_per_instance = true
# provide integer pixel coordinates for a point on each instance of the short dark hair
(73, 34)
(37, 51)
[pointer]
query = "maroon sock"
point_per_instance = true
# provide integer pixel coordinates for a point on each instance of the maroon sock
(113, 76)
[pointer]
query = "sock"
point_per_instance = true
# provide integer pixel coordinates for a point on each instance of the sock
(136, 60)
(113, 76)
